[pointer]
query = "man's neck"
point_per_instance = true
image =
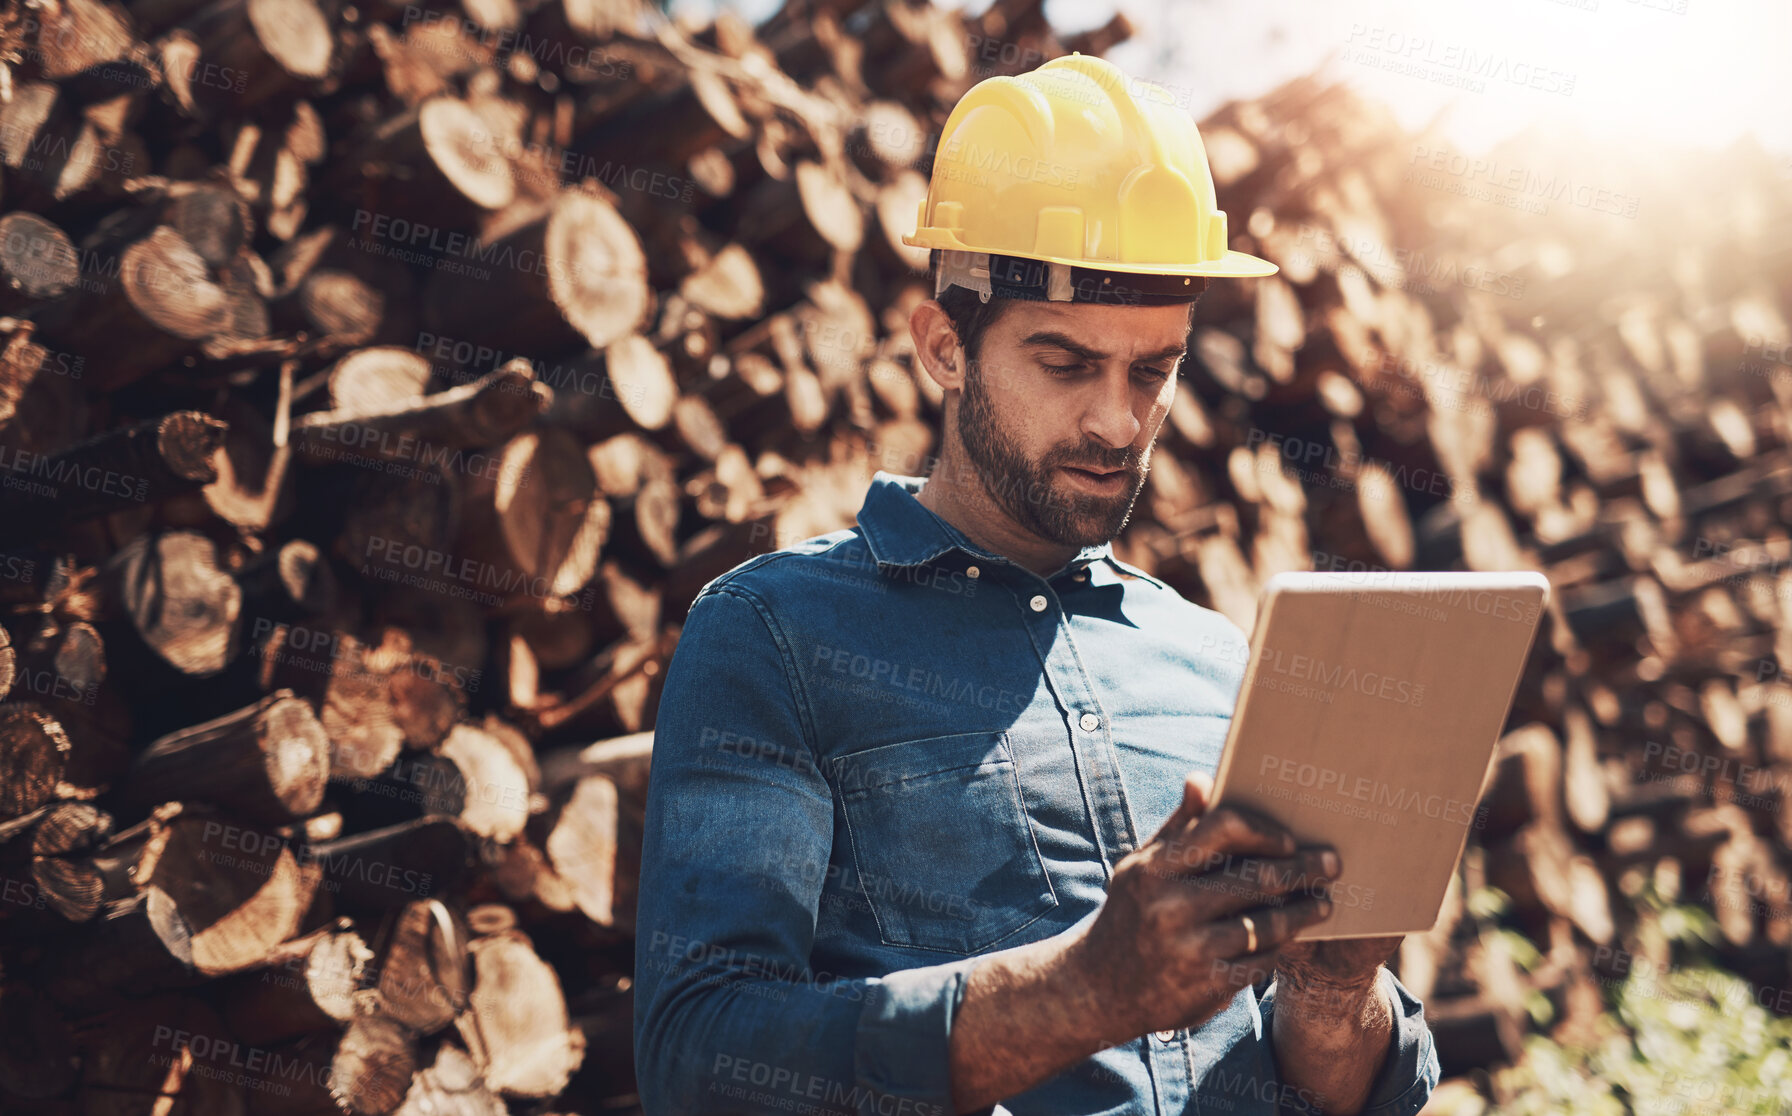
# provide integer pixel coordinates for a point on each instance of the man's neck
(957, 495)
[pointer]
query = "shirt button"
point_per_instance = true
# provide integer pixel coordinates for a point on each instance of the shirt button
(1038, 604)
(1090, 722)
(1166, 1036)
(972, 571)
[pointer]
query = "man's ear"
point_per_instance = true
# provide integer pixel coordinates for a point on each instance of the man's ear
(936, 344)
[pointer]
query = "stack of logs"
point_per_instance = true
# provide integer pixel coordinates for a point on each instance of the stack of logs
(1461, 365)
(379, 383)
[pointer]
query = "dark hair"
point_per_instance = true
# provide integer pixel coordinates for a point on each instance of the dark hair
(971, 316)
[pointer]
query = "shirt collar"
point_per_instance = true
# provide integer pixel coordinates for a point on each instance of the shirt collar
(900, 531)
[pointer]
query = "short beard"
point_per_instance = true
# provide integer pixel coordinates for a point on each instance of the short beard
(1030, 492)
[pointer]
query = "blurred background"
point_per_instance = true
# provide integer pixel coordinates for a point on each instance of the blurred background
(380, 381)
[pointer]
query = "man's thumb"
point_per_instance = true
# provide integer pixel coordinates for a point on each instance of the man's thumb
(1197, 787)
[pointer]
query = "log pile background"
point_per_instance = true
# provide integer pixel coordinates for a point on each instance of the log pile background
(379, 382)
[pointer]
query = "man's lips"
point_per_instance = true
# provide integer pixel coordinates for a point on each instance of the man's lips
(1109, 481)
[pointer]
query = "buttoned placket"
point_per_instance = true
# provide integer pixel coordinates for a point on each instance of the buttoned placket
(1167, 1057)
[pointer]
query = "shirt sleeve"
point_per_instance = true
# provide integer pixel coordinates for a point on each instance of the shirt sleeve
(1406, 1079)
(728, 1015)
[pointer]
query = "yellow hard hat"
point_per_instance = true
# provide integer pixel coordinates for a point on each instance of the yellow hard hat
(1076, 164)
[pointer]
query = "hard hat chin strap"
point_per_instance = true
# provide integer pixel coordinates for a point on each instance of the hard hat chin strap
(971, 271)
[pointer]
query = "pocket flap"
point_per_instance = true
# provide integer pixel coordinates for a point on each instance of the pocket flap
(860, 773)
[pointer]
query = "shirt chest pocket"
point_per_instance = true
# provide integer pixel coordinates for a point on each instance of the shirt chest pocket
(941, 841)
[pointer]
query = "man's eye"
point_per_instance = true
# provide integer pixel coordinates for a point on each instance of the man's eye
(1061, 369)
(1156, 375)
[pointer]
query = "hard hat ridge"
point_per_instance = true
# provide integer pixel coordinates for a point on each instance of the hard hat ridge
(1075, 164)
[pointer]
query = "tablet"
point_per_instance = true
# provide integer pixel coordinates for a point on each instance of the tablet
(1368, 719)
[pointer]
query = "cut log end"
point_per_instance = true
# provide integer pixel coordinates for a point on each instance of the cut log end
(34, 751)
(597, 274)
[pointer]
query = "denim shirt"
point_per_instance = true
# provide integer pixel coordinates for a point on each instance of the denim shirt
(884, 753)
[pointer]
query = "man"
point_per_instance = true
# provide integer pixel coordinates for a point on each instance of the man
(927, 830)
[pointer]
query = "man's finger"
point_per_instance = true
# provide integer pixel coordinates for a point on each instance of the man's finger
(1274, 926)
(1227, 940)
(1221, 831)
(1240, 883)
(1197, 789)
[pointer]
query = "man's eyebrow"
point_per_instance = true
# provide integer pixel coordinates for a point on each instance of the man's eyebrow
(1051, 337)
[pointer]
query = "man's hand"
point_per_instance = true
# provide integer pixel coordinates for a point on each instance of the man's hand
(1169, 948)
(1333, 1026)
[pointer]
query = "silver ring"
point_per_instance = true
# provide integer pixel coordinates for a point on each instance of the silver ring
(1250, 934)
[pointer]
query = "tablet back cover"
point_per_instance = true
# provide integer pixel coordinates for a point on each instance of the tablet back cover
(1369, 714)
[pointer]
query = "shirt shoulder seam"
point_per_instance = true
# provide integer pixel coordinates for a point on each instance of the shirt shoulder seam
(794, 680)
(729, 577)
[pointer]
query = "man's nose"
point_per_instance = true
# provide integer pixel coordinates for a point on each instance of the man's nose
(1109, 416)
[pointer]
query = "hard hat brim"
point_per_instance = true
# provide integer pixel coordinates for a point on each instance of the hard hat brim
(1232, 265)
